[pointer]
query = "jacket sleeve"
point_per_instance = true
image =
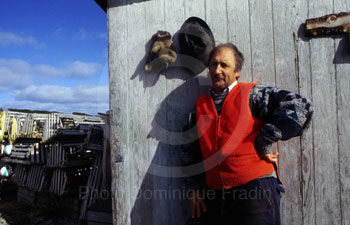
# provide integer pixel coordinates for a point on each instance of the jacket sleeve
(285, 115)
(191, 155)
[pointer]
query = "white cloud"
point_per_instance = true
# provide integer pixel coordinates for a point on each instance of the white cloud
(17, 80)
(83, 98)
(20, 72)
(8, 38)
(83, 107)
(75, 69)
(59, 33)
(80, 34)
(83, 34)
(14, 74)
(83, 69)
(15, 65)
(63, 95)
(102, 35)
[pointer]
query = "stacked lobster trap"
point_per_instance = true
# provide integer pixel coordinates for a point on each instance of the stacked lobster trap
(69, 161)
(53, 153)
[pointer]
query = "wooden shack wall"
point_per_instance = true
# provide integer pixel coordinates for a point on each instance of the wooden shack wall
(148, 110)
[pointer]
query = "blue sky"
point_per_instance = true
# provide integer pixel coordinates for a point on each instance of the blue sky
(53, 56)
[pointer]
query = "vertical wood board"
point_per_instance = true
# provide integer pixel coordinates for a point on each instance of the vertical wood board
(195, 8)
(305, 82)
(155, 90)
(342, 58)
(175, 78)
(137, 106)
(216, 17)
(149, 109)
(238, 23)
(325, 123)
(285, 53)
(117, 35)
(262, 45)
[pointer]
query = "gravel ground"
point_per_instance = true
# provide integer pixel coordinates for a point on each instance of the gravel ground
(17, 213)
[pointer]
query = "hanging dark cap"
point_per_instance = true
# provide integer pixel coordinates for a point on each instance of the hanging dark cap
(196, 41)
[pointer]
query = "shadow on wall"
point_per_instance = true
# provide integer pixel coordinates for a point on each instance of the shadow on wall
(149, 79)
(342, 54)
(184, 68)
(161, 200)
(162, 196)
(162, 192)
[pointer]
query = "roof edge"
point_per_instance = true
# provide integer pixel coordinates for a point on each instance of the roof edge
(102, 4)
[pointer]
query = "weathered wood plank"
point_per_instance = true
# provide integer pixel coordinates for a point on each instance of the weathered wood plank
(262, 46)
(155, 89)
(197, 85)
(307, 156)
(285, 27)
(216, 17)
(264, 42)
(343, 106)
(137, 111)
(325, 123)
(193, 88)
(174, 18)
(238, 26)
(117, 34)
(195, 8)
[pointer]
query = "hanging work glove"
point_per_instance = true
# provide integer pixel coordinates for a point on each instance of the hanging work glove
(162, 52)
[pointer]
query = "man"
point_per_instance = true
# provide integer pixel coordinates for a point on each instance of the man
(237, 122)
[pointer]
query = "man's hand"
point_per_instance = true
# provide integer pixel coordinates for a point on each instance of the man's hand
(270, 157)
(197, 203)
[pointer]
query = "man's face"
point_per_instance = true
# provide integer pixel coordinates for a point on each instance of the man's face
(222, 69)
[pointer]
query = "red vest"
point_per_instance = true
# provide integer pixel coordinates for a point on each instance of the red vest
(227, 141)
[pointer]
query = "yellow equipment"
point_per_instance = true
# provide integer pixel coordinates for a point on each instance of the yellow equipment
(13, 130)
(2, 125)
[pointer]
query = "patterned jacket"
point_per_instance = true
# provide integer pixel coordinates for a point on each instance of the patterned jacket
(285, 115)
